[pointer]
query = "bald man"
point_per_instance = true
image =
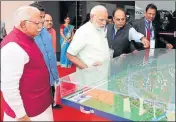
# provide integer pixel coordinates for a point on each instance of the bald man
(48, 23)
(120, 34)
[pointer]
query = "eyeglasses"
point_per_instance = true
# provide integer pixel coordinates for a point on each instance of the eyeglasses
(48, 20)
(40, 23)
(122, 19)
(42, 17)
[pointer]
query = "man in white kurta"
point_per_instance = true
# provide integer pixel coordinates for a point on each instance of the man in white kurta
(89, 47)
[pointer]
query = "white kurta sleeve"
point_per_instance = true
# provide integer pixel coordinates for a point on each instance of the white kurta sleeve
(13, 59)
(77, 43)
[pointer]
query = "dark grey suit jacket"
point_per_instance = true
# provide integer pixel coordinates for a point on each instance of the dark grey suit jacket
(139, 26)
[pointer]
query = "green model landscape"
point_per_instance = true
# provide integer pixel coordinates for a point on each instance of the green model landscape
(118, 84)
(140, 92)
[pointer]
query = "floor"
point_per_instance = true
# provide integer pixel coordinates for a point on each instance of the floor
(62, 114)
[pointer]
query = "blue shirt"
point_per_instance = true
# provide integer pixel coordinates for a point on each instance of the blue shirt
(133, 34)
(44, 42)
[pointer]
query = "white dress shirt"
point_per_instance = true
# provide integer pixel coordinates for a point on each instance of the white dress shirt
(152, 36)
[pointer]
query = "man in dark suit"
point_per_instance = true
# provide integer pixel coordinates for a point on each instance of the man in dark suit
(150, 28)
(120, 34)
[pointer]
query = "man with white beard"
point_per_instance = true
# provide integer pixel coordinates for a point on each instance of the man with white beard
(89, 46)
(89, 51)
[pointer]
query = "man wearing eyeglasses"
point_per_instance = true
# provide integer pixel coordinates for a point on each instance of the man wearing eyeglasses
(48, 23)
(120, 34)
(24, 75)
(44, 42)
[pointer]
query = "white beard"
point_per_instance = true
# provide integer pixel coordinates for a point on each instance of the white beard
(97, 27)
(100, 29)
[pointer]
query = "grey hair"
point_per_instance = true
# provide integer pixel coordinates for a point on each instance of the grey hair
(23, 13)
(97, 8)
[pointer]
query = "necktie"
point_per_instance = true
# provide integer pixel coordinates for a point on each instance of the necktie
(148, 31)
(148, 38)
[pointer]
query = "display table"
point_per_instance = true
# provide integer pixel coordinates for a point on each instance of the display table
(134, 87)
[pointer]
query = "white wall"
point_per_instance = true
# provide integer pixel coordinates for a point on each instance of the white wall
(141, 5)
(110, 7)
(7, 10)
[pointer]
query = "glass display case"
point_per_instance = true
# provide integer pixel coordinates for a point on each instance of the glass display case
(137, 87)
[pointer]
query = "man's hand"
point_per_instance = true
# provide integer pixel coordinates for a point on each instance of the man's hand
(66, 39)
(97, 64)
(135, 51)
(69, 40)
(56, 85)
(123, 55)
(145, 42)
(75, 60)
(169, 46)
(24, 118)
